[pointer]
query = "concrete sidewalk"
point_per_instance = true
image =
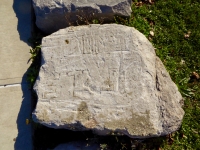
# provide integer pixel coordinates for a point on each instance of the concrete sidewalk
(15, 98)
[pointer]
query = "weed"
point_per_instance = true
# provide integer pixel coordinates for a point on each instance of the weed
(32, 75)
(33, 70)
(103, 146)
(34, 52)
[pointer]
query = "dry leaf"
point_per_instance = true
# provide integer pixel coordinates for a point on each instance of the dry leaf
(151, 33)
(139, 3)
(27, 121)
(151, 23)
(182, 62)
(195, 75)
(171, 139)
(184, 136)
(187, 35)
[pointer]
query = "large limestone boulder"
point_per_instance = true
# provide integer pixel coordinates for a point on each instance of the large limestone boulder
(106, 78)
(52, 15)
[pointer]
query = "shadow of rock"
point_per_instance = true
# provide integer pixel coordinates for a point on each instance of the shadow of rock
(23, 11)
(24, 138)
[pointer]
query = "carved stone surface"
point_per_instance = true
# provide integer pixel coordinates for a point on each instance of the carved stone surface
(52, 15)
(105, 78)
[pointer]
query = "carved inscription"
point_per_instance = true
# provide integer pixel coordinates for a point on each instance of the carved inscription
(99, 42)
(100, 66)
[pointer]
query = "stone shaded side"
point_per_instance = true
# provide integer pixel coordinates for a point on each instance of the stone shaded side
(52, 15)
(171, 114)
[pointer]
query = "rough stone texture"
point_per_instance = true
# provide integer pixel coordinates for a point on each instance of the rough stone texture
(78, 145)
(52, 15)
(105, 78)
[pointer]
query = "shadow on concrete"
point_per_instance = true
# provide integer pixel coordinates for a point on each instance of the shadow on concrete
(23, 9)
(24, 138)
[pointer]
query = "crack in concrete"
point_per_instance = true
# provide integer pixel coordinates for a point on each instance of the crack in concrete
(10, 85)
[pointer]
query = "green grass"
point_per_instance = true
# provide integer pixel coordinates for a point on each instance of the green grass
(176, 27)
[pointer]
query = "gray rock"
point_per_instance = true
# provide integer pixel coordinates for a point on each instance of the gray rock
(106, 78)
(78, 145)
(52, 15)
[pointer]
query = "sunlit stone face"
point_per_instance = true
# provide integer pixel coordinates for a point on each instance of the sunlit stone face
(52, 15)
(100, 77)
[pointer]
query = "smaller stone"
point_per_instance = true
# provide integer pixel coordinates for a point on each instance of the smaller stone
(52, 15)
